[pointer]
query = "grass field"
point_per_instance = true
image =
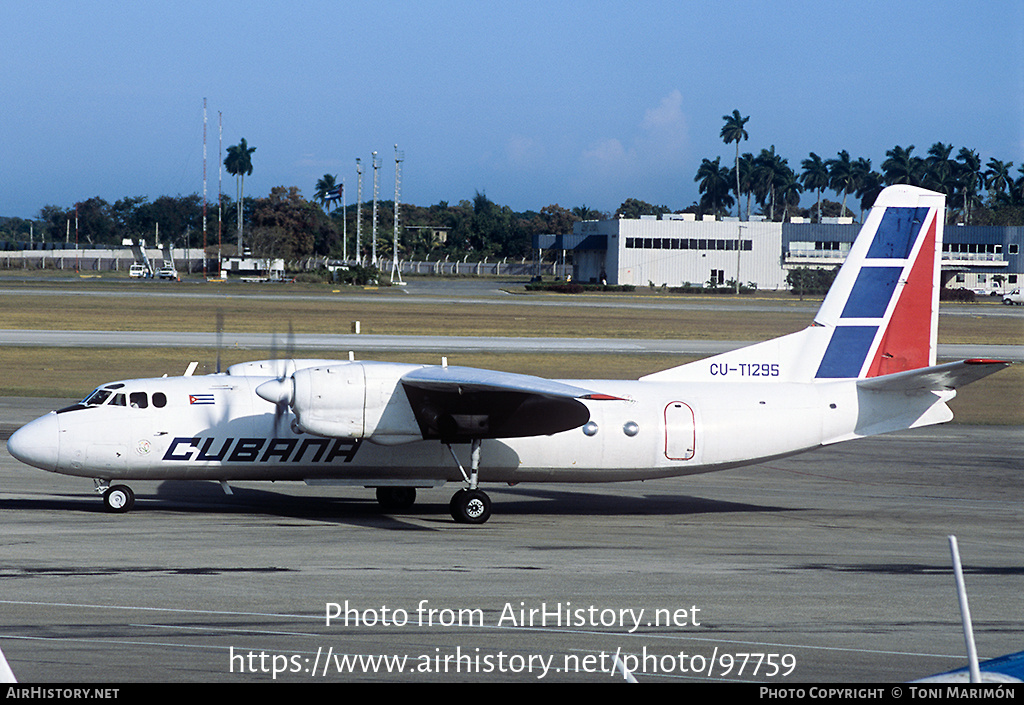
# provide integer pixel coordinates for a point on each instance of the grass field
(88, 305)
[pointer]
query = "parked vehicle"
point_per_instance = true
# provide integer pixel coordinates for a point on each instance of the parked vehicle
(1014, 297)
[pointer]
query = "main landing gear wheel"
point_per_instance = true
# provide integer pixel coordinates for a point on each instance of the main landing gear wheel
(470, 507)
(119, 499)
(396, 498)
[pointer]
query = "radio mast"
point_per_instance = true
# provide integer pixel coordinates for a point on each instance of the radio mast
(396, 273)
(359, 209)
(376, 181)
(220, 200)
(204, 195)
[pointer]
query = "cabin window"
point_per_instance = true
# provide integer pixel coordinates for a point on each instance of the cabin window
(159, 400)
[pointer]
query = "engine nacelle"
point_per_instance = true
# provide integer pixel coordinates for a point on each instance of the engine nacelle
(355, 400)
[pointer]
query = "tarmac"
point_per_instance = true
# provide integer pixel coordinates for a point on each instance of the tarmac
(827, 567)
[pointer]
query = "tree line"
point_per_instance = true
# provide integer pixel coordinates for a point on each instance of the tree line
(976, 193)
(286, 224)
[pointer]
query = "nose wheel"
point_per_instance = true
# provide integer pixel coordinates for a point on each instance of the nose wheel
(117, 499)
(470, 505)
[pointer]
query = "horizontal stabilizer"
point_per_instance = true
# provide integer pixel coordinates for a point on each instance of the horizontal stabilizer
(951, 375)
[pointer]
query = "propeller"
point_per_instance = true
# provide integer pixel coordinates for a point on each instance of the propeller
(220, 335)
(281, 391)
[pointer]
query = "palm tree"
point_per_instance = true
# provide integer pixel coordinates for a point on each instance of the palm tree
(1018, 187)
(789, 190)
(767, 172)
(733, 131)
(841, 177)
(324, 186)
(585, 212)
(868, 184)
(901, 167)
(971, 181)
(940, 173)
(998, 180)
(939, 166)
(746, 178)
(714, 186)
(239, 163)
(814, 176)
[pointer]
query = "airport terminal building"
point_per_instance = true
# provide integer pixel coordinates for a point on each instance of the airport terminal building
(678, 249)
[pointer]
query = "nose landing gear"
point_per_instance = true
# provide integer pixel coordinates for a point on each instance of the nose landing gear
(117, 499)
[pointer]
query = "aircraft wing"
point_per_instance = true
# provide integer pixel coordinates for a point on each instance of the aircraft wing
(951, 375)
(457, 404)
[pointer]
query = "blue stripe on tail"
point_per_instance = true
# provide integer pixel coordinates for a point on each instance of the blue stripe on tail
(846, 351)
(897, 233)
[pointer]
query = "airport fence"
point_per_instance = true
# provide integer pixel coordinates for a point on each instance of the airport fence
(191, 262)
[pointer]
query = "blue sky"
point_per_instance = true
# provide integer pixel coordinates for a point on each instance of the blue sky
(533, 103)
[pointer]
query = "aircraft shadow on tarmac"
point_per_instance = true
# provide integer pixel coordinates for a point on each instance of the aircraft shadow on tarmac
(192, 497)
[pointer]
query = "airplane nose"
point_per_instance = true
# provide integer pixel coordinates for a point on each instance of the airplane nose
(36, 443)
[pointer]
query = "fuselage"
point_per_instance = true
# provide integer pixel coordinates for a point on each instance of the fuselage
(216, 427)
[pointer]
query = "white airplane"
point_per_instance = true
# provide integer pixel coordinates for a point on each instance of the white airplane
(865, 366)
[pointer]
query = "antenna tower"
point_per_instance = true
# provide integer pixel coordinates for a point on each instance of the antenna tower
(376, 189)
(204, 194)
(220, 200)
(396, 273)
(359, 208)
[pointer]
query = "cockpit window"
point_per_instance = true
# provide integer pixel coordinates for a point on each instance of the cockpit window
(97, 397)
(107, 395)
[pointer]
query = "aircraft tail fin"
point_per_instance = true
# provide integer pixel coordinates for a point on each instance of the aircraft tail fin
(879, 317)
(883, 307)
